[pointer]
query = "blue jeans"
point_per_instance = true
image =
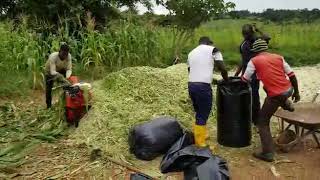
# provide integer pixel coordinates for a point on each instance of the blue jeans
(201, 96)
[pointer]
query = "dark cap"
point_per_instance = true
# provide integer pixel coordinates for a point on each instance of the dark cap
(205, 40)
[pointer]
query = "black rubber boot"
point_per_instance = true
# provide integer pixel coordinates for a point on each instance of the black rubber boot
(267, 144)
(268, 157)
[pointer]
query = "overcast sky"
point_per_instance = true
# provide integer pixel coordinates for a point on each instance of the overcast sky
(259, 5)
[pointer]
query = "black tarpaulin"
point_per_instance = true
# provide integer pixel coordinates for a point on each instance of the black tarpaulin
(196, 163)
(151, 139)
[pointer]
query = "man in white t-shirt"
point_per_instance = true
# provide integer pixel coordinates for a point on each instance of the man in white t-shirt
(201, 61)
(58, 65)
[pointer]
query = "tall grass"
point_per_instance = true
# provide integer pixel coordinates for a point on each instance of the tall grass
(124, 43)
(20, 57)
(94, 53)
(297, 42)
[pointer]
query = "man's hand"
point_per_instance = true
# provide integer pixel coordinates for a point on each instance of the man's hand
(239, 69)
(296, 97)
(236, 74)
(61, 79)
(226, 79)
(224, 73)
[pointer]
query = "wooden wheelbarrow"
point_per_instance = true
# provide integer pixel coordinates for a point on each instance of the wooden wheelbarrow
(305, 119)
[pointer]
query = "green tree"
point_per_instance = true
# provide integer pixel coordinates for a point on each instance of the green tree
(75, 10)
(187, 15)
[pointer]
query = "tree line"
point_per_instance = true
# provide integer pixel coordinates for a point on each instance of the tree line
(300, 15)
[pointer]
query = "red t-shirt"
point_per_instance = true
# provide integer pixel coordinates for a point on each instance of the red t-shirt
(272, 70)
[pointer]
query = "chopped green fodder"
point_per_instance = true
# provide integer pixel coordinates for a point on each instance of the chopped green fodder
(22, 129)
(130, 97)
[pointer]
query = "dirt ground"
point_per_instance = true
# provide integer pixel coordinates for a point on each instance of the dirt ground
(64, 160)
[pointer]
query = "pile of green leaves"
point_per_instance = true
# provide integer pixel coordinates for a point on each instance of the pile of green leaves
(130, 97)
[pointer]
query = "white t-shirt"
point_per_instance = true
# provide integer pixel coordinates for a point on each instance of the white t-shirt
(201, 63)
(55, 64)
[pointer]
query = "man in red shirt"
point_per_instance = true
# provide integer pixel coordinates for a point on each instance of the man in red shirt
(279, 82)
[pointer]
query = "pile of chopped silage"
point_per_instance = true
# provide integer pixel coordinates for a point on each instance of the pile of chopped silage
(132, 96)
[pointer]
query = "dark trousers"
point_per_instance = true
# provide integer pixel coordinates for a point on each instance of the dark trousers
(270, 106)
(201, 96)
(255, 85)
(49, 85)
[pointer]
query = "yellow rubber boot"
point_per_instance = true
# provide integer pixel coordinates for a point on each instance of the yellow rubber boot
(207, 133)
(200, 133)
(211, 147)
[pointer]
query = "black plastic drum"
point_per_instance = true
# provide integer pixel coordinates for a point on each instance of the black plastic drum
(234, 113)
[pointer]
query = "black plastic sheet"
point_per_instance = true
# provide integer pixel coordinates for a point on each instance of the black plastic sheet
(196, 163)
(149, 140)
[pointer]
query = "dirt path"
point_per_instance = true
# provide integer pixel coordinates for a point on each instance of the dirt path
(302, 163)
(63, 160)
